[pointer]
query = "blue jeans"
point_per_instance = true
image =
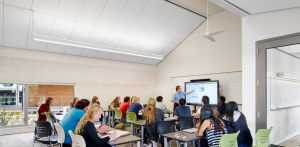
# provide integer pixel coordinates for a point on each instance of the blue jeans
(245, 145)
(123, 119)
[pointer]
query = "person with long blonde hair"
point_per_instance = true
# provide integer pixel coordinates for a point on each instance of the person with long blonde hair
(87, 130)
(152, 116)
(135, 107)
(115, 104)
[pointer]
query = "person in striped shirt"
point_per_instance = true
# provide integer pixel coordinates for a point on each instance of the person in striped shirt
(211, 127)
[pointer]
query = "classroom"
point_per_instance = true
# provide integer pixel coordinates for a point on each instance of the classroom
(149, 73)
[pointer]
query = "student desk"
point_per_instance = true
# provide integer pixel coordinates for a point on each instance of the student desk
(110, 114)
(59, 117)
(169, 113)
(142, 123)
(189, 137)
(126, 139)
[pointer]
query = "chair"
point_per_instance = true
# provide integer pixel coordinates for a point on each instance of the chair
(220, 116)
(61, 134)
(229, 140)
(66, 109)
(118, 116)
(131, 117)
(262, 138)
(186, 122)
(51, 119)
(43, 129)
(165, 127)
(48, 116)
(77, 140)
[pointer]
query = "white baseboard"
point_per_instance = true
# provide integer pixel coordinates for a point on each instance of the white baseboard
(286, 138)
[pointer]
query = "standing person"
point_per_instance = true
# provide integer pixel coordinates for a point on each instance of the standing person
(72, 104)
(87, 130)
(153, 115)
(222, 106)
(136, 107)
(115, 104)
(211, 127)
(45, 108)
(237, 122)
(161, 105)
(72, 118)
(124, 107)
(178, 95)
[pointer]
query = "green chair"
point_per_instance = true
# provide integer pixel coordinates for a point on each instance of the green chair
(48, 116)
(131, 117)
(229, 140)
(118, 116)
(262, 137)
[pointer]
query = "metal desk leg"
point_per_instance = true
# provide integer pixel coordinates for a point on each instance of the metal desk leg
(185, 144)
(165, 142)
(109, 115)
(169, 114)
(142, 134)
(131, 129)
(131, 144)
(113, 113)
(194, 144)
(104, 118)
(138, 144)
(170, 143)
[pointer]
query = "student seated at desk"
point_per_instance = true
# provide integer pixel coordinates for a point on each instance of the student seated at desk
(72, 118)
(161, 105)
(152, 116)
(210, 127)
(182, 111)
(236, 121)
(135, 107)
(204, 101)
(124, 107)
(87, 130)
(222, 106)
(115, 104)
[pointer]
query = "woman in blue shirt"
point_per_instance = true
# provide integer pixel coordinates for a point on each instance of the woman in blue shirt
(72, 118)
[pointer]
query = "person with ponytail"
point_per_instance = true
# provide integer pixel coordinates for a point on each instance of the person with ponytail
(236, 121)
(152, 116)
(87, 130)
(45, 108)
(210, 127)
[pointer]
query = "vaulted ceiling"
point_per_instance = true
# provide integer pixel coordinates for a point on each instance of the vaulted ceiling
(147, 26)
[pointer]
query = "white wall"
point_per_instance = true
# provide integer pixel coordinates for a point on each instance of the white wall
(259, 27)
(197, 55)
(103, 78)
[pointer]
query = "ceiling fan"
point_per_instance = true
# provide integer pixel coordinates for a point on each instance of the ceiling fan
(207, 34)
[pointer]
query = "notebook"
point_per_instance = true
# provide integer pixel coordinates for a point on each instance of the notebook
(191, 130)
(119, 134)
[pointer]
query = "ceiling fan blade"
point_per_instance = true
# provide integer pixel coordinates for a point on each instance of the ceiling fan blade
(210, 38)
(215, 33)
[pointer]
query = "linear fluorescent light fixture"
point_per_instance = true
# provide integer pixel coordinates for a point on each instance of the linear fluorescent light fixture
(49, 39)
(289, 76)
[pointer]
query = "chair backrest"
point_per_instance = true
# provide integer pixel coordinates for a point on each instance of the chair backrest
(60, 132)
(48, 116)
(42, 128)
(118, 114)
(53, 119)
(130, 117)
(229, 140)
(262, 138)
(186, 122)
(165, 127)
(77, 140)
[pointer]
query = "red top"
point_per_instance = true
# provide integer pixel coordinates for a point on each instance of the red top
(124, 107)
(41, 110)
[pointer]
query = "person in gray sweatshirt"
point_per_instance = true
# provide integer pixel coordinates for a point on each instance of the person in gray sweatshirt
(161, 105)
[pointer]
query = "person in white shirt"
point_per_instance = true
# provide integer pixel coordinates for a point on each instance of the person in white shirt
(204, 101)
(161, 105)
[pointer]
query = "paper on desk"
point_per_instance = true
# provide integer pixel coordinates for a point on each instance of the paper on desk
(191, 130)
(112, 139)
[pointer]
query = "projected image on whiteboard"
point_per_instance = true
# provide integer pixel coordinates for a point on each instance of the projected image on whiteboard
(209, 89)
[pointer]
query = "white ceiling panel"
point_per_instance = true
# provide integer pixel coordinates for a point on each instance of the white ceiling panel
(115, 56)
(55, 48)
(45, 6)
(98, 35)
(139, 44)
(16, 22)
(146, 15)
(127, 58)
(137, 59)
(171, 23)
(149, 61)
(160, 18)
(89, 53)
(35, 45)
(260, 6)
(19, 3)
(150, 45)
(71, 50)
(81, 32)
(126, 41)
(111, 12)
(113, 38)
(1, 24)
(129, 14)
(69, 8)
(62, 28)
(168, 49)
(102, 54)
(91, 11)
